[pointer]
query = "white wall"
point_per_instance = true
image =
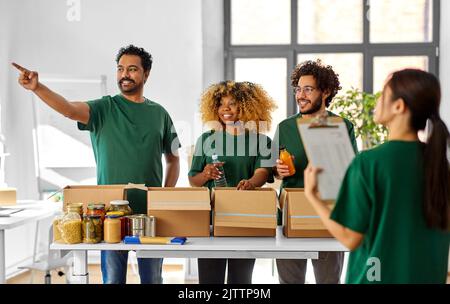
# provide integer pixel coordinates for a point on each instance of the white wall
(37, 35)
(445, 60)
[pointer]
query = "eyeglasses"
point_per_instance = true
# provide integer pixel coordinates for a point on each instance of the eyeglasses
(307, 90)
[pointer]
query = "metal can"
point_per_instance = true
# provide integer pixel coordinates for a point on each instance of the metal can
(150, 226)
(136, 224)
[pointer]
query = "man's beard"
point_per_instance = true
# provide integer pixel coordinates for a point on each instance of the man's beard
(130, 89)
(315, 106)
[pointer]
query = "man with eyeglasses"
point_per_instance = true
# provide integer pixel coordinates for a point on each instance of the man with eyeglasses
(315, 85)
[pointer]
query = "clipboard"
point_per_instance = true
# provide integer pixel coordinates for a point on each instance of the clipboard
(328, 146)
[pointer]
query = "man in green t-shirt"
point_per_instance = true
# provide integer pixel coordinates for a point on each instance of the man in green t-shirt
(315, 86)
(129, 134)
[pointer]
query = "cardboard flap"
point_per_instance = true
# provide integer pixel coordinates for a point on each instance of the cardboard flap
(284, 195)
(248, 209)
(260, 201)
(301, 213)
(179, 205)
(178, 199)
(93, 194)
(136, 186)
(245, 220)
(306, 223)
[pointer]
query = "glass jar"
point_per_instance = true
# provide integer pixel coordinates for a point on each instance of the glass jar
(112, 228)
(70, 228)
(75, 207)
(56, 227)
(123, 222)
(97, 209)
(92, 229)
(120, 205)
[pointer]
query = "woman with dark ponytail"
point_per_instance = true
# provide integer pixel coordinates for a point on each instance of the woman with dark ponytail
(393, 210)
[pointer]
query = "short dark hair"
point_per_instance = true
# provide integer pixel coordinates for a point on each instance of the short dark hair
(327, 79)
(146, 58)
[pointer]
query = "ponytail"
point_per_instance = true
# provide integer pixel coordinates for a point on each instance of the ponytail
(437, 176)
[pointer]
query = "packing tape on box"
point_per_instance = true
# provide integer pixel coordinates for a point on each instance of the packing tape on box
(246, 214)
(304, 216)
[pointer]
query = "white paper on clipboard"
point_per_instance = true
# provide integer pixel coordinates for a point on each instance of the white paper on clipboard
(328, 147)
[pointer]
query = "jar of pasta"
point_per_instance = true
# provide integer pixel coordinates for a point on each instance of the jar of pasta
(56, 227)
(75, 207)
(70, 228)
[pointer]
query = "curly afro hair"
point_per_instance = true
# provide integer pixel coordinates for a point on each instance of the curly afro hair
(146, 58)
(327, 79)
(254, 104)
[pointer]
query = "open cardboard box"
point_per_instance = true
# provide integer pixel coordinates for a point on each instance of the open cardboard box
(299, 217)
(180, 211)
(99, 194)
(244, 213)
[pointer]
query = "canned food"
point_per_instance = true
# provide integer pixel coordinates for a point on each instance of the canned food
(136, 224)
(150, 226)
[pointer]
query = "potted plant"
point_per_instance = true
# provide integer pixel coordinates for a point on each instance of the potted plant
(358, 106)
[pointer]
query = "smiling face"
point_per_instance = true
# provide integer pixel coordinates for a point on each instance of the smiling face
(130, 74)
(228, 110)
(309, 98)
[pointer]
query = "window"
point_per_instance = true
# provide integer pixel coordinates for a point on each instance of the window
(363, 40)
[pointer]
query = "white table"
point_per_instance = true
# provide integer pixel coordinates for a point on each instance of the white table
(33, 211)
(214, 247)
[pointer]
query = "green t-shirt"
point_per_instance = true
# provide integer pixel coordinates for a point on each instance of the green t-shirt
(288, 136)
(382, 197)
(128, 140)
(242, 154)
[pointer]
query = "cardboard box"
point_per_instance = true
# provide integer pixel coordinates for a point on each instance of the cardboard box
(244, 213)
(8, 196)
(180, 211)
(97, 194)
(299, 217)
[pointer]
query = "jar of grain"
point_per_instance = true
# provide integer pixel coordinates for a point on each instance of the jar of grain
(56, 226)
(75, 207)
(70, 228)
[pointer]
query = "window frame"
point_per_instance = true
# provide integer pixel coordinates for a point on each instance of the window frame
(366, 48)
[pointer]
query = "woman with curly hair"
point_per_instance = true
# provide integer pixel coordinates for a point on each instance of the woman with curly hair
(237, 112)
